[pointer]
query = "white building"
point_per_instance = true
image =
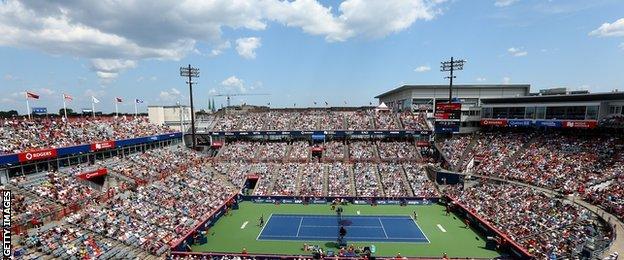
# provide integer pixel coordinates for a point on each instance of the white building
(424, 98)
(172, 116)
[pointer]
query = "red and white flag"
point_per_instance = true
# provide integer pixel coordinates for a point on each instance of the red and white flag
(31, 95)
(118, 99)
(67, 97)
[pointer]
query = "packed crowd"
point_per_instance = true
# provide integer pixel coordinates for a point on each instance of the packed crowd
(308, 120)
(393, 179)
(421, 185)
(610, 194)
(68, 242)
(362, 150)
(339, 179)
(334, 150)
(454, 148)
(545, 226)
(367, 183)
(312, 181)
(58, 187)
(393, 151)
(17, 135)
(492, 150)
(299, 151)
(151, 164)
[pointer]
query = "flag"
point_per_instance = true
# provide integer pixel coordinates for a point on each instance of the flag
(31, 95)
(118, 100)
(314, 102)
(138, 101)
(95, 100)
(67, 97)
(327, 104)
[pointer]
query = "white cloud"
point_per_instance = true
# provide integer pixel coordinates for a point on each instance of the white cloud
(170, 30)
(615, 29)
(220, 48)
(9, 77)
(170, 95)
(622, 46)
(94, 93)
(503, 3)
(108, 69)
(506, 80)
(517, 52)
(246, 47)
(481, 79)
(234, 82)
(423, 68)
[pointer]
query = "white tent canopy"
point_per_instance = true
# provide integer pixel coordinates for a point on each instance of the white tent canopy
(382, 107)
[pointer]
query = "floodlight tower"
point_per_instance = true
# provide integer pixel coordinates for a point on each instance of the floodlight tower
(451, 66)
(191, 73)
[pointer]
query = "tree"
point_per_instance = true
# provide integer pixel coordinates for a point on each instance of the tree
(70, 112)
(10, 113)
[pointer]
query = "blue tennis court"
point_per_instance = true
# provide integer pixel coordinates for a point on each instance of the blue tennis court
(359, 228)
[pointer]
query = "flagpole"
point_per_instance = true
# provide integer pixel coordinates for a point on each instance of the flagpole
(135, 108)
(93, 107)
(27, 106)
(116, 110)
(64, 106)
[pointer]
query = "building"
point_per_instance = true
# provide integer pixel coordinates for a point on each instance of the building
(172, 116)
(424, 97)
(583, 110)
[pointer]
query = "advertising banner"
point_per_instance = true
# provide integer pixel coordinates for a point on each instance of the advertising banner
(588, 124)
(37, 155)
(519, 122)
(92, 174)
(494, 122)
(548, 123)
(102, 145)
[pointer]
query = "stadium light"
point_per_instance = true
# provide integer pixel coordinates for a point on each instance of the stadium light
(451, 66)
(191, 73)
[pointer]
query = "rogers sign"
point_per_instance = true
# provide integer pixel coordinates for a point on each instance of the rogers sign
(37, 155)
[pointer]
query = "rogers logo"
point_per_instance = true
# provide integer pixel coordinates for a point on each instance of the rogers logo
(36, 155)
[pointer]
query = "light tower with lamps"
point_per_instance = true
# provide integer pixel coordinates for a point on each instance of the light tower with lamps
(191, 73)
(451, 66)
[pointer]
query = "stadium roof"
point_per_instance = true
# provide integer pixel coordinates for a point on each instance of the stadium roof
(557, 98)
(445, 86)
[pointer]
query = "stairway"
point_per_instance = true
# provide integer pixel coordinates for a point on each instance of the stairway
(382, 191)
(298, 183)
(352, 180)
(325, 179)
(408, 187)
(467, 151)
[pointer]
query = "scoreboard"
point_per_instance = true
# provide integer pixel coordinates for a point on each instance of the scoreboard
(447, 117)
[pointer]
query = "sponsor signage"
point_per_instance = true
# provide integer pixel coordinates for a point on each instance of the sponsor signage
(494, 122)
(580, 124)
(102, 145)
(93, 174)
(335, 133)
(319, 201)
(37, 155)
(516, 122)
(548, 123)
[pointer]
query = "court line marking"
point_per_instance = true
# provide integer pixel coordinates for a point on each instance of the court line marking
(361, 240)
(441, 228)
(327, 237)
(421, 230)
(299, 228)
(382, 228)
(244, 224)
(265, 224)
(320, 226)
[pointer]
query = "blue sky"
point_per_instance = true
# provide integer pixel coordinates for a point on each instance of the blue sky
(298, 51)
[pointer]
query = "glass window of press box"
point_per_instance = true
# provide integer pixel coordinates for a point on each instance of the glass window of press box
(554, 113)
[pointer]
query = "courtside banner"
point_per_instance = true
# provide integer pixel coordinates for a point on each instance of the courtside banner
(318, 201)
(102, 145)
(37, 155)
